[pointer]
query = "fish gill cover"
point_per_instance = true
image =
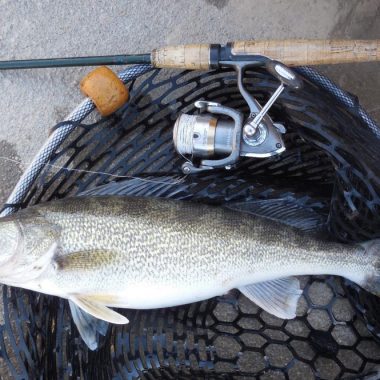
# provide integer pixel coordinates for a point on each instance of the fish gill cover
(329, 166)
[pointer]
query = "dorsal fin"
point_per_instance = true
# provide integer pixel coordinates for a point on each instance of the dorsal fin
(284, 210)
(150, 186)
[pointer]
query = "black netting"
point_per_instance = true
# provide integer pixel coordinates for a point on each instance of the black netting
(330, 164)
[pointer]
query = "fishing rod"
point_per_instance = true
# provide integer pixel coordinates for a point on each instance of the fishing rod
(212, 56)
(218, 136)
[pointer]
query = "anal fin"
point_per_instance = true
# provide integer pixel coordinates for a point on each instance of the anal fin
(278, 297)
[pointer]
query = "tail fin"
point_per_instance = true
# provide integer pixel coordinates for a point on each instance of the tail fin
(372, 280)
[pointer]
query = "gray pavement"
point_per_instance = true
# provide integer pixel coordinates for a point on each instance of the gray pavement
(32, 101)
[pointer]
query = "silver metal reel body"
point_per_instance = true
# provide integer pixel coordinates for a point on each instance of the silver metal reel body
(219, 141)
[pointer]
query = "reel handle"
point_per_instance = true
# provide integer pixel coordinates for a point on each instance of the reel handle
(285, 75)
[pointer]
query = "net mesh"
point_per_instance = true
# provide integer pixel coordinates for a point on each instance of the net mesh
(329, 164)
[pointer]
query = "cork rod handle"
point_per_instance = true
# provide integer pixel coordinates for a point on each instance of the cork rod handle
(312, 52)
(190, 57)
(290, 52)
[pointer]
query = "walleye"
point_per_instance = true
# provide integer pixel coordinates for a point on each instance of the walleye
(127, 252)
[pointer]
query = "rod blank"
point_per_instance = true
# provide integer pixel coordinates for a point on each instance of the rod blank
(109, 60)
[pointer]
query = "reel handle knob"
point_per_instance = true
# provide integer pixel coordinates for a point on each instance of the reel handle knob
(284, 74)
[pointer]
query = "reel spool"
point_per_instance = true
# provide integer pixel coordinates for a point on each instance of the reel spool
(219, 141)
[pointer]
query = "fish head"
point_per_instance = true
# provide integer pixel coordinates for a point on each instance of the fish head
(27, 246)
(10, 237)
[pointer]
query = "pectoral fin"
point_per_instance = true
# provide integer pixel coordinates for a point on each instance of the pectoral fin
(278, 297)
(98, 310)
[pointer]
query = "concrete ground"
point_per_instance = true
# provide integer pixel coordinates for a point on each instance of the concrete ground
(32, 101)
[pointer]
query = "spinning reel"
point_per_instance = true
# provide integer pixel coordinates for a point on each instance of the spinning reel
(218, 136)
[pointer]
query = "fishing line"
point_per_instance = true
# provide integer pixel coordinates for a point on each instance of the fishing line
(180, 179)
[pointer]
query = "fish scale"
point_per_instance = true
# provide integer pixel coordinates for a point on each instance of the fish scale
(146, 253)
(172, 237)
